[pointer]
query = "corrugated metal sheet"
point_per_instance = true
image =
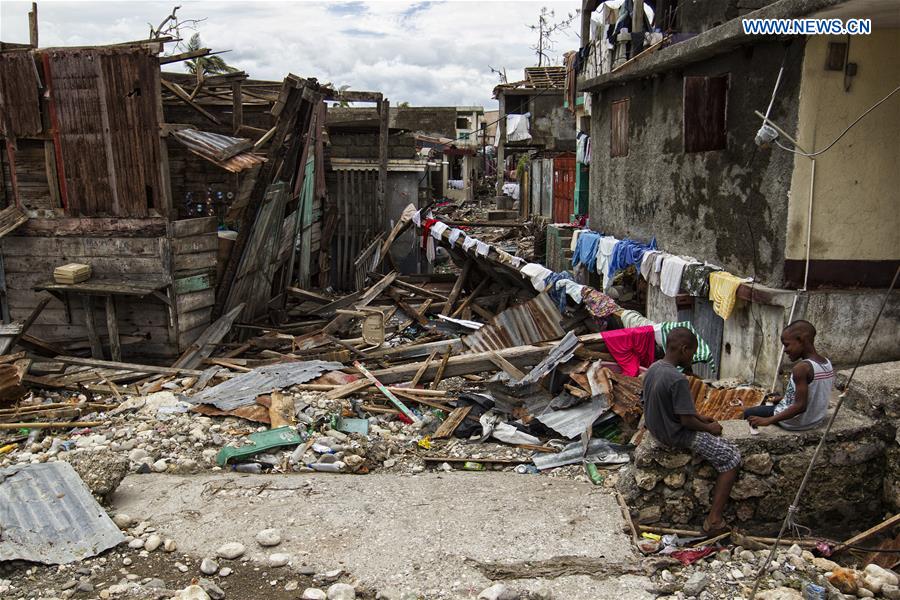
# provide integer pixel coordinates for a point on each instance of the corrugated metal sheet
(562, 352)
(20, 108)
(228, 152)
(529, 323)
(724, 404)
(49, 516)
(243, 389)
(105, 107)
(572, 422)
(599, 451)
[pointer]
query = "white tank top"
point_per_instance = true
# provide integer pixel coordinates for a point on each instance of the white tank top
(818, 394)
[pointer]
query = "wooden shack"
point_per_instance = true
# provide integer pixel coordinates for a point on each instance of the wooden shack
(116, 166)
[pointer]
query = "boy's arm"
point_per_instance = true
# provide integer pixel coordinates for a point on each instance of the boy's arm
(694, 423)
(802, 375)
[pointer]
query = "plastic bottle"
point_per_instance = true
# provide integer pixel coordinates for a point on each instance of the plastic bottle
(335, 467)
(814, 592)
(526, 470)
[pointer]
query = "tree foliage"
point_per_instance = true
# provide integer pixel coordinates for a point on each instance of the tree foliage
(205, 65)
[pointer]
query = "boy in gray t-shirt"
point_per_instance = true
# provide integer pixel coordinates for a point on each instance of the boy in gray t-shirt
(670, 416)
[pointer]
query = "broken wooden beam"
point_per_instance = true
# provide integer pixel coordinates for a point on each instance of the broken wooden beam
(452, 421)
(520, 356)
(390, 395)
(138, 368)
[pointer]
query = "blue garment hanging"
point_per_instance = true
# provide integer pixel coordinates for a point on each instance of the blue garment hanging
(557, 295)
(628, 252)
(586, 249)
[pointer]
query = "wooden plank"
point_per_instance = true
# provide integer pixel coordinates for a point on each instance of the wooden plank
(194, 262)
(185, 97)
(308, 295)
(205, 344)
(373, 292)
(90, 323)
(122, 366)
(237, 111)
(421, 371)
(349, 388)
(112, 329)
(192, 301)
(388, 394)
(452, 421)
(194, 319)
(190, 227)
(418, 290)
(406, 308)
(93, 227)
(440, 370)
(457, 287)
(204, 242)
(870, 532)
(194, 283)
(507, 367)
(520, 356)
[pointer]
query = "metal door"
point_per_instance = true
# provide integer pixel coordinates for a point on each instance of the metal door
(563, 187)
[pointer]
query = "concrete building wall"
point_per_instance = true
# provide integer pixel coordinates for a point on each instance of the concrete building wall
(726, 206)
(552, 125)
(856, 202)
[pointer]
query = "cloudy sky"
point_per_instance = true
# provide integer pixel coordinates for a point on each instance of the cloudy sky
(425, 53)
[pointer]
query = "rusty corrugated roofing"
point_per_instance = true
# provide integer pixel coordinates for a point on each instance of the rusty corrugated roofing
(723, 404)
(49, 516)
(228, 152)
(529, 323)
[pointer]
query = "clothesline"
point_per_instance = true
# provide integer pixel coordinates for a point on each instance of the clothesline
(673, 274)
(562, 286)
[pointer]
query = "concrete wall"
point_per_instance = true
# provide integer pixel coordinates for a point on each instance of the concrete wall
(697, 16)
(436, 120)
(855, 203)
(552, 125)
(727, 206)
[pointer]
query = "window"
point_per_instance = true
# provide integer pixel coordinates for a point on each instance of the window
(516, 105)
(462, 122)
(705, 104)
(618, 128)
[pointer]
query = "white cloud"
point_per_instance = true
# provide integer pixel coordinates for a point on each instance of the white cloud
(425, 53)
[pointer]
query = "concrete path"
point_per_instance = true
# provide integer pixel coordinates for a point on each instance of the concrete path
(439, 535)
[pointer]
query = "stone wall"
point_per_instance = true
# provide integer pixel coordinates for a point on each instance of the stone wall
(672, 487)
(875, 392)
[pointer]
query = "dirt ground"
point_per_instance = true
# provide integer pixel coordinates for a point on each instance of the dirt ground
(436, 535)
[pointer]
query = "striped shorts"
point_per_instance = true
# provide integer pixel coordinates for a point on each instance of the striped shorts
(721, 454)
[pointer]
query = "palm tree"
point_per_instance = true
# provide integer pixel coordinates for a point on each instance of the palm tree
(205, 65)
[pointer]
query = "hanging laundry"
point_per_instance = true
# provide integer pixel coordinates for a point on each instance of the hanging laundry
(517, 129)
(454, 235)
(582, 141)
(587, 144)
(703, 353)
(632, 348)
(651, 263)
(469, 243)
(723, 288)
(427, 240)
(557, 295)
(632, 318)
(586, 249)
(670, 274)
(537, 273)
(417, 218)
(598, 304)
(481, 248)
(695, 279)
(628, 252)
(438, 229)
(604, 257)
(572, 289)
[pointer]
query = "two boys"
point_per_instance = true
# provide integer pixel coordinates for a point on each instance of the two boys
(671, 417)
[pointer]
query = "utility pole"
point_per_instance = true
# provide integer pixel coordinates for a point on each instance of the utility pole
(33, 26)
(501, 151)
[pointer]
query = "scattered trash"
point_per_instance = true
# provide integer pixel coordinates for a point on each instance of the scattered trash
(259, 442)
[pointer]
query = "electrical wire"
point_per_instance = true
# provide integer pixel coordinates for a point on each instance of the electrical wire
(844, 132)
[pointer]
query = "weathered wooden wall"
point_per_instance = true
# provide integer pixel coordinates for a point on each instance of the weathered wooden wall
(31, 176)
(114, 248)
(194, 247)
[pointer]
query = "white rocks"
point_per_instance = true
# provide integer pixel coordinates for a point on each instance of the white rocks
(230, 551)
(780, 593)
(169, 545)
(795, 550)
(160, 466)
(341, 591)
(864, 593)
(183, 568)
(225, 571)
(875, 578)
(279, 559)
(138, 455)
(314, 594)
(208, 566)
(192, 592)
(123, 521)
(136, 544)
(823, 564)
(153, 542)
(891, 592)
(290, 586)
(268, 537)
(492, 593)
(696, 583)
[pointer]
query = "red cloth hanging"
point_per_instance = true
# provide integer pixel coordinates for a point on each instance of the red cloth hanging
(632, 348)
(426, 231)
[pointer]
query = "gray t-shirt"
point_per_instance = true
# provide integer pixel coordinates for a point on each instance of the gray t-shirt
(667, 395)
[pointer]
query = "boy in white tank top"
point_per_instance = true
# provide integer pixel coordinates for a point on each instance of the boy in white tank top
(805, 401)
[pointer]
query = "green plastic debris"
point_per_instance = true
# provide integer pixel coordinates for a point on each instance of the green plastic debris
(259, 442)
(593, 473)
(353, 426)
(473, 466)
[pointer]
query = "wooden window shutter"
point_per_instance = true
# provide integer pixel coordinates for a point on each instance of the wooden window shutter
(618, 141)
(705, 109)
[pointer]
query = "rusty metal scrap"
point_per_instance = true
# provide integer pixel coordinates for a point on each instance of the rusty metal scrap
(228, 152)
(724, 404)
(525, 324)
